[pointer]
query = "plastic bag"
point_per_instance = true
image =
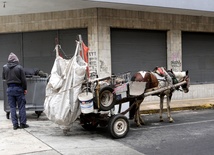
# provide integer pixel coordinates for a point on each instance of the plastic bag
(61, 102)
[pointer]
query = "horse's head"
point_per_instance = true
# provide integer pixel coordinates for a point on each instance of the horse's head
(183, 76)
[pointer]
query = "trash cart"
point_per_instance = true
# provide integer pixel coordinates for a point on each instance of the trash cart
(35, 96)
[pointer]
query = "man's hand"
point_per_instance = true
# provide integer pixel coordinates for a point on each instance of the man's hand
(25, 92)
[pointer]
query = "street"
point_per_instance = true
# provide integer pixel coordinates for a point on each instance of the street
(190, 134)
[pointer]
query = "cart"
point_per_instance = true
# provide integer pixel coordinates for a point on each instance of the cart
(107, 94)
(34, 98)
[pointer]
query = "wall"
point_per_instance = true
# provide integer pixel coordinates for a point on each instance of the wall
(175, 24)
(174, 50)
(100, 20)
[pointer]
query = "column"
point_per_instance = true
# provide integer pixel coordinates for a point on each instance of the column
(174, 50)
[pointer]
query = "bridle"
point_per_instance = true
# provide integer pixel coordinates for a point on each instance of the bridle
(185, 87)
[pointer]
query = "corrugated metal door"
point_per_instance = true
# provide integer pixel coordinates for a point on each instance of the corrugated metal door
(198, 56)
(36, 49)
(135, 50)
(9, 43)
(67, 39)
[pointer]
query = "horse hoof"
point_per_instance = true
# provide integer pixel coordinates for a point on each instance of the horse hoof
(142, 123)
(171, 120)
(138, 125)
(161, 120)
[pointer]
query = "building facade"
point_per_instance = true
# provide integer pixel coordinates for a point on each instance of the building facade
(119, 41)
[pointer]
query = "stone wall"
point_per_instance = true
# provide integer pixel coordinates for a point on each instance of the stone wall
(174, 24)
(98, 21)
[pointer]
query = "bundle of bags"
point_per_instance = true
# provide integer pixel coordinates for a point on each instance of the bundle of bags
(61, 103)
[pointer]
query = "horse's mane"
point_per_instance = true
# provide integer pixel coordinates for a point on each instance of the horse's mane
(179, 75)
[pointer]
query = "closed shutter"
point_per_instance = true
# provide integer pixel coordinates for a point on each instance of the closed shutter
(36, 49)
(9, 43)
(135, 50)
(198, 56)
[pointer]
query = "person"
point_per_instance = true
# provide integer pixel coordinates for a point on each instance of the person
(15, 78)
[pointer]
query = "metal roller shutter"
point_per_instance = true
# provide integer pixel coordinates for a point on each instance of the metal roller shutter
(67, 39)
(35, 49)
(135, 50)
(198, 56)
(9, 43)
(39, 47)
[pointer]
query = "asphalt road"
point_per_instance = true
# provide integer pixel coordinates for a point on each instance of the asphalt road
(192, 133)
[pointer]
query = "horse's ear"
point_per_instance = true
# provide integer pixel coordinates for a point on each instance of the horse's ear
(155, 68)
(187, 72)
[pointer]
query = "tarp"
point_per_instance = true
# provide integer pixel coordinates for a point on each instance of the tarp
(61, 103)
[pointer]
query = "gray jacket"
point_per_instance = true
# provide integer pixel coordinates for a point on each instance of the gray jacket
(13, 73)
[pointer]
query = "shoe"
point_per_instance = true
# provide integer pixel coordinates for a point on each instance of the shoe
(16, 127)
(22, 126)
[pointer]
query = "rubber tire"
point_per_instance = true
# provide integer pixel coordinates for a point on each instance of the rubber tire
(118, 126)
(8, 115)
(87, 124)
(38, 113)
(107, 89)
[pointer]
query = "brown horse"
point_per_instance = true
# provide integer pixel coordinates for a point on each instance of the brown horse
(159, 78)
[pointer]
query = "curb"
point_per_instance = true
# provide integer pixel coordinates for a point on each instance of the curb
(198, 107)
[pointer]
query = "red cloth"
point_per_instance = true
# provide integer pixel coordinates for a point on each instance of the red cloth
(160, 71)
(85, 53)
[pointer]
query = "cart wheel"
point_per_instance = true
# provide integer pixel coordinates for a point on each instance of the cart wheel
(88, 122)
(118, 126)
(38, 113)
(107, 98)
(8, 115)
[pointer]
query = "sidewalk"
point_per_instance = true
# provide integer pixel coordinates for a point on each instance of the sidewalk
(43, 137)
(176, 105)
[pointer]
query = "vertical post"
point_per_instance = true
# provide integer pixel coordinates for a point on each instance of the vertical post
(57, 44)
(81, 48)
(174, 50)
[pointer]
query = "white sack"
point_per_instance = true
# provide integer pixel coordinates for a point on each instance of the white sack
(61, 103)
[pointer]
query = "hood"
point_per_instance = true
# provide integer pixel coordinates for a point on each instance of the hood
(13, 58)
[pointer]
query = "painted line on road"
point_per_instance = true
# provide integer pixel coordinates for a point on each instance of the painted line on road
(165, 126)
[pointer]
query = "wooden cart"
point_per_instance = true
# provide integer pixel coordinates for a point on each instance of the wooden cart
(105, 99)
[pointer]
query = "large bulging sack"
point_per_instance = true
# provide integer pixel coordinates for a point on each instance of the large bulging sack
(61, 102)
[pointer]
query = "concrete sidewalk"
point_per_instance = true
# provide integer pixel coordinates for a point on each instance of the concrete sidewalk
(187, 104)
(44, 137)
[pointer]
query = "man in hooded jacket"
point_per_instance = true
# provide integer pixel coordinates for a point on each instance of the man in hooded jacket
(14, 75)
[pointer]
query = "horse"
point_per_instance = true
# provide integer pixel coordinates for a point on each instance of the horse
(158, 78)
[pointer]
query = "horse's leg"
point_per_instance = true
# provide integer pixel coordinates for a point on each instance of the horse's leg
(138, 120)
(136, 117)
(169, 96)
(161, 107)
(132, 110)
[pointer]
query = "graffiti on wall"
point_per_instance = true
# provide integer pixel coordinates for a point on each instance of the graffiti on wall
(175, 61)
(103, 67)
(92, 63)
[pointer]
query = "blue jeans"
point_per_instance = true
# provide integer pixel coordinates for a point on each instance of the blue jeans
(16, 97)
